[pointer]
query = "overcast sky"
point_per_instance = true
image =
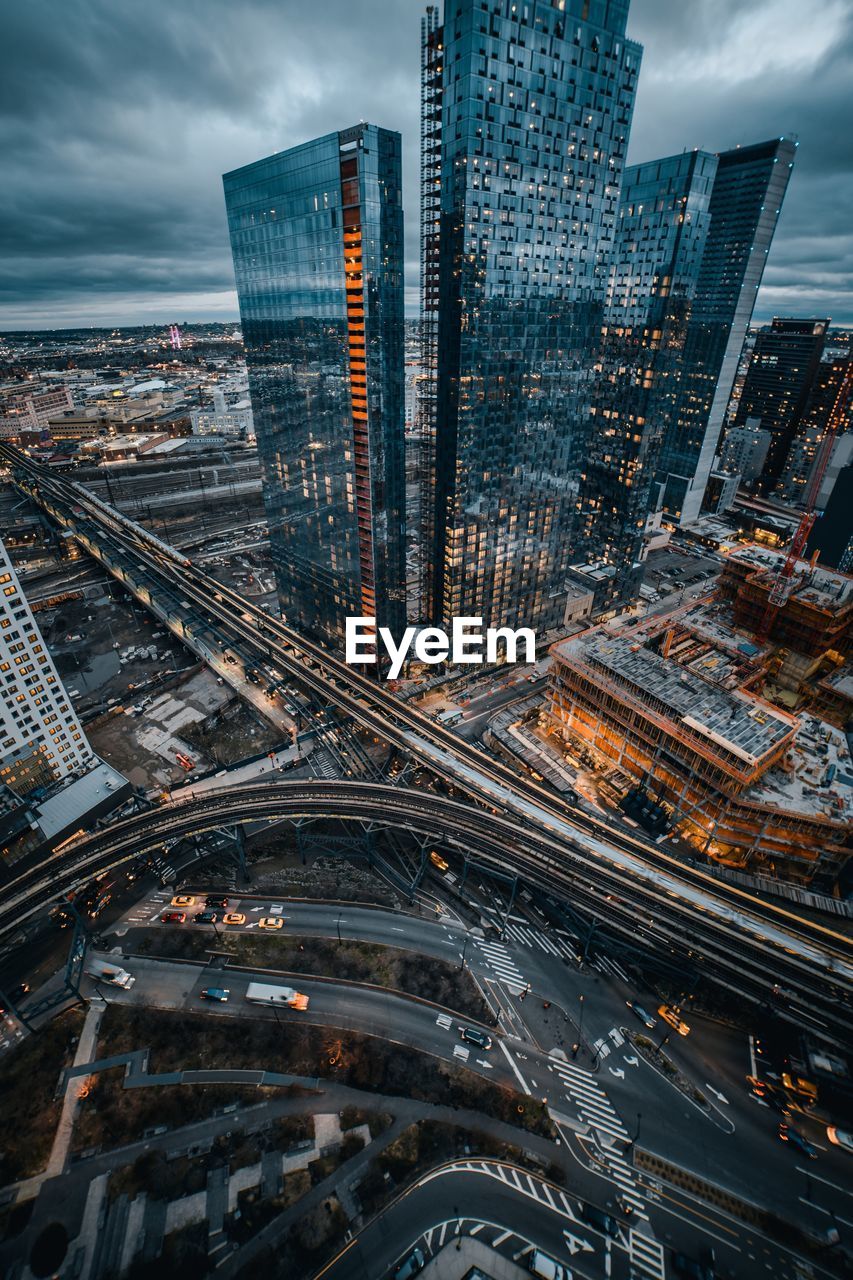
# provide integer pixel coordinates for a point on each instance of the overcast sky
(118, 118)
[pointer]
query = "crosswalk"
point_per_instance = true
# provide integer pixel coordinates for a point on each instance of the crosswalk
(501, 962)
(592, 1103)
(551, 944)
(647, 1256)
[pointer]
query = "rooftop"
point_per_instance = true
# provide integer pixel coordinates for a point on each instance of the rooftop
(825, 588)
(72, 803)
(735, 721)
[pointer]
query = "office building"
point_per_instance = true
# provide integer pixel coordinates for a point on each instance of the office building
(744, 450)
(317, 240)
(660, 239)
(526, 115)
(782, 372)
(746, 199)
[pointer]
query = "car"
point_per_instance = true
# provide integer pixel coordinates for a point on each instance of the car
(215, 993)
(604, 1222)
(206, 917)
(234, 917)
(473, 1035)
(18, 992)
(689, 1268)
(638, 1010)
(271, 922)
(216, 900)
(183, 900)
(840, 1137)
(547, 1268)
(787, 1133)
(669, 1013)
(777, 1103)
(411, 1265)
(173, 917)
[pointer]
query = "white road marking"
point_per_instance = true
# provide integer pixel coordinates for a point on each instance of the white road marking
(519, 1077)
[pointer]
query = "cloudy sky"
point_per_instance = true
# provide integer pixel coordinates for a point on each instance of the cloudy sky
(119, 116)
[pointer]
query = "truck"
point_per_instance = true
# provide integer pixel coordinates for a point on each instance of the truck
(105, 971)
(265, 993)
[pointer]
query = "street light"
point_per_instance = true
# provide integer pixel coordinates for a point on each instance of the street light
(464, 950)
(576, 1046)
(338, 922)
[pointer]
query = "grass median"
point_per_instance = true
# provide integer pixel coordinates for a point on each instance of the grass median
(182, 1041)
(348, 961)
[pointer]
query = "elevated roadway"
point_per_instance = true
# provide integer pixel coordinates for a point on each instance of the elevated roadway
(760, 949)
(732, 948)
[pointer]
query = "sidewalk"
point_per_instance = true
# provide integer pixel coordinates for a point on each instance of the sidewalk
(74, 1088)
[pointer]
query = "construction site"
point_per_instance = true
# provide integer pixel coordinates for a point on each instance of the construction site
(738, 737)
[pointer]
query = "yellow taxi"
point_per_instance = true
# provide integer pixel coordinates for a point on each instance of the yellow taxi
(271, 922)
(183, 900)
(234, 917)
(670, 1015)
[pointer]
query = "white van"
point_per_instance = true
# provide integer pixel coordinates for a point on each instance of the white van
(544, 1266)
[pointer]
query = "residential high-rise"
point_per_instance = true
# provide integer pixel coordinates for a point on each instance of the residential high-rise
(746, 198)
(526, 114)
(41, 741)
(823, 438)
(317, 240)
(660, 239)
(778, 384)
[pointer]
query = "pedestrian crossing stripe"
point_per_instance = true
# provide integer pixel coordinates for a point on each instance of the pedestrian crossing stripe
(646, 1255)
(444, 1020)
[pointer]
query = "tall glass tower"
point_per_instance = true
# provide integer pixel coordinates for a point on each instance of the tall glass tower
(661, 233)
(317, 240)
(746, 199)
(526, 114)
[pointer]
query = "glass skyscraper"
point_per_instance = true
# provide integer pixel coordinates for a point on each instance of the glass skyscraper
(782, 372)
(746, 199)
(317, 240)
(526, 114)
(660, 239)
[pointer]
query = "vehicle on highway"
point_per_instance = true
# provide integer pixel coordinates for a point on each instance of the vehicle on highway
(669, 1013)
(638, 1010)
(271, 922)
(787, 1133)
(105, 971)
(252, 676)
(266, 993)
(215, 993)
(840, 1138)
(173, 917)
(183, 900)
(206, 917)
(473, 1035)
(546, 1267)
(802, 1090)
(216, 900)
(604, 1222)
(689, 1268)
(233, 917)
(410, 1266)
(437, 861)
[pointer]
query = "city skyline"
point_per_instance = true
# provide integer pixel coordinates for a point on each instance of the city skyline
(116, 218)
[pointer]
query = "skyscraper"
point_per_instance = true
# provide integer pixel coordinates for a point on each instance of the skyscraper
(660, 239)
(746, 199)
(317, 240)
(782, 372)
(527, 109)
(41, 741)
(823, 437)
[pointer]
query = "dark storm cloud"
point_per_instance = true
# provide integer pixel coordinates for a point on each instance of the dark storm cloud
(117, 120)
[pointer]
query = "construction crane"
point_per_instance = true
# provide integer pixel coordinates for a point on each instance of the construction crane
(783, 584)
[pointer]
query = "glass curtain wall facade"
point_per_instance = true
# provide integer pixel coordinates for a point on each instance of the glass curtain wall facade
(317, 241)
(783, 370)
(535, 105)
(746, 199)
(663, 225)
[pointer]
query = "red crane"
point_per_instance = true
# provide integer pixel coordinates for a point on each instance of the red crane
(781, 588)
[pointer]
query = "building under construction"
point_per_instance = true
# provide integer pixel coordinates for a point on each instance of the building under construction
(670, 705)
(814, 619)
